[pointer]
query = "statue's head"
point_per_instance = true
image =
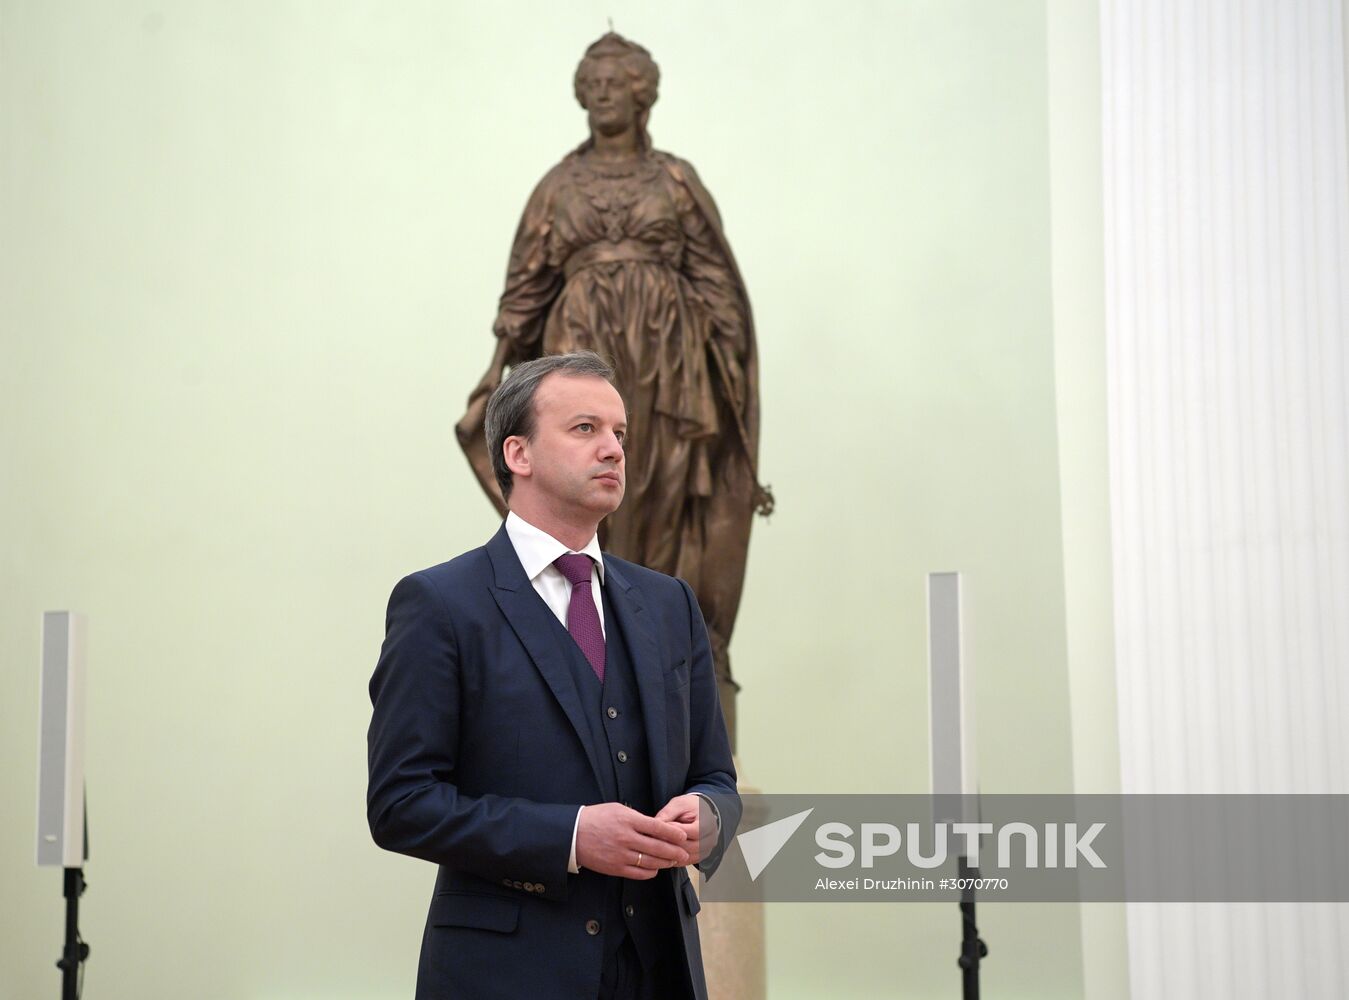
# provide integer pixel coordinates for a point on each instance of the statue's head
(617, 82)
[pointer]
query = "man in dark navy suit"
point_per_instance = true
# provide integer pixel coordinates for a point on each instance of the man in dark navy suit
(546, 727)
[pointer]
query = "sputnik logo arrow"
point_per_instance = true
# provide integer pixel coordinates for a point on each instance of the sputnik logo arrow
(762, 845)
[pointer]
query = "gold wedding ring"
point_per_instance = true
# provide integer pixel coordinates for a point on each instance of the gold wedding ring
(639, 859)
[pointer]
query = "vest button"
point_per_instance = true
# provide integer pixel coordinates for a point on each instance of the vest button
(612, 712)
(629, 910)
(592, 927)
(622, 756)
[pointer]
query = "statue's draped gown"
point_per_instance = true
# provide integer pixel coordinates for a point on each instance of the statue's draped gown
(627, 260)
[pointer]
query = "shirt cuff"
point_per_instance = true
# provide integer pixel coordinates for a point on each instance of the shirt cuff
(572, 867)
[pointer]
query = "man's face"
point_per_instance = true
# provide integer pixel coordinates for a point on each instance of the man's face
(575, 457)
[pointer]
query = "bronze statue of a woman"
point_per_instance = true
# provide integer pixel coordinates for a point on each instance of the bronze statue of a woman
(621, 251)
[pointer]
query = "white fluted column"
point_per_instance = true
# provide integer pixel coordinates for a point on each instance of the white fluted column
(1227, 262)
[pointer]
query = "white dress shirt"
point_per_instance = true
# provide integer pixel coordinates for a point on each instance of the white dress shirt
(537, 550)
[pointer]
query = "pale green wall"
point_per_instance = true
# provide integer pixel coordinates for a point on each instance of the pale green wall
(250, 258)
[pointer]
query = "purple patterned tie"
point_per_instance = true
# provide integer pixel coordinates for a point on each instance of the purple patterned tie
(583, 621)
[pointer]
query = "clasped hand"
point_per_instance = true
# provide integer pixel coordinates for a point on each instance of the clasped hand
(615, 840)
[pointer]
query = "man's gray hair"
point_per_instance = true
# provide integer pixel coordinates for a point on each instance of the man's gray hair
(510, 409)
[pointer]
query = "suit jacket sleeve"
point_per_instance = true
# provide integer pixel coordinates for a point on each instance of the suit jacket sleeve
(413, 804)
(711, 770)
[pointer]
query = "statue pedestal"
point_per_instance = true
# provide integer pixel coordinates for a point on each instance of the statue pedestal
(732, 936)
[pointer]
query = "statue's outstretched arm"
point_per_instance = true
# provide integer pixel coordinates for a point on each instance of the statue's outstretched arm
(532, 285)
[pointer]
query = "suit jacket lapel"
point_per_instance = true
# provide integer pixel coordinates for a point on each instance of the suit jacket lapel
(640, 631)
(527, 614)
